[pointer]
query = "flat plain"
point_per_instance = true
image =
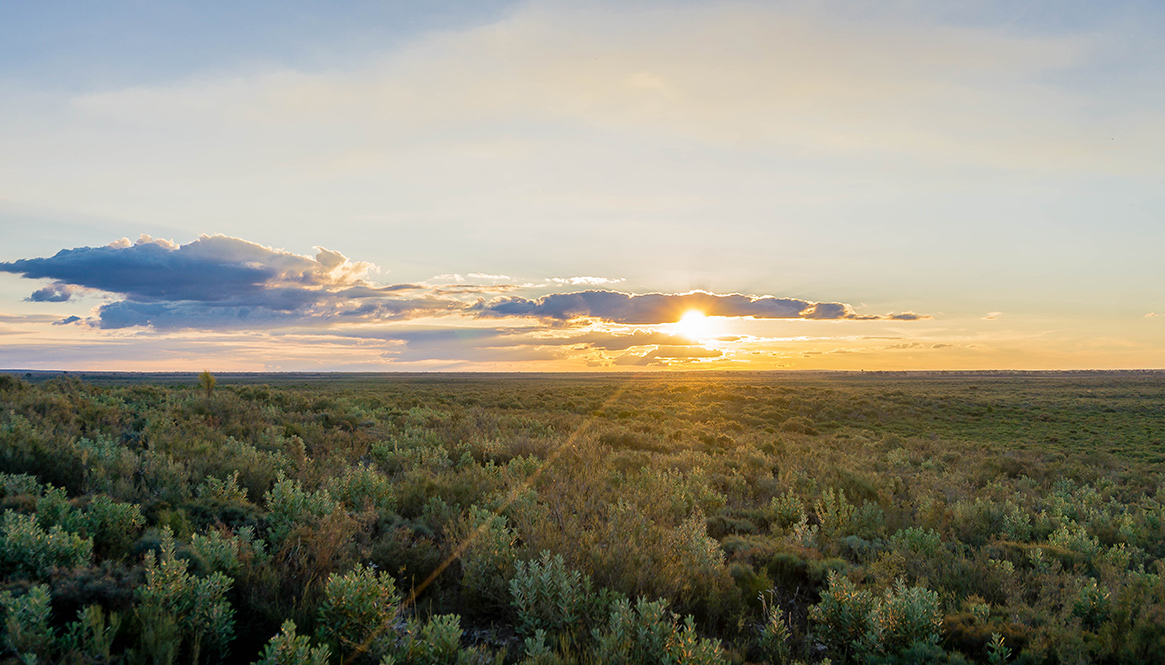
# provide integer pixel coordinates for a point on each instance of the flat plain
(737, 517)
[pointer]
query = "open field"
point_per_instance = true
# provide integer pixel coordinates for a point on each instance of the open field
(855, 517)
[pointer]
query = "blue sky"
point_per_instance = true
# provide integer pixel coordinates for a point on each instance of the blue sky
(992, 169)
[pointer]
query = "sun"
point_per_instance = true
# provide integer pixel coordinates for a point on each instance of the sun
(695, 325)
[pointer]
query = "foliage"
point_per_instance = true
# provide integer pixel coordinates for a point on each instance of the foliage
(549, 598)
(26, 623)
(290, 505)
(868, 518)
(206, 380)
(286, 648)
(27, 549)
(181, 613)
(488, 553)
(647, 633)
(855, 623)
(90, 638)
(775, 635)
(843, 617)
(358, 607)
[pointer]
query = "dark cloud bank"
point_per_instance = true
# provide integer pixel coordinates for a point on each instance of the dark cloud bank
(219, 282)
(666, 307)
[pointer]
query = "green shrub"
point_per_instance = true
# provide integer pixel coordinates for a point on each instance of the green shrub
(26, 623)
(89, 639)
(843, 617)
(433, 642)
(487, 552)
(855, 624)
(290, 505)
(113, 525)
(647, 634)
(1091, 604)
(358, 608)
(27, 549)
(998, 653)
(1016, 524)
(869, 521)
(902, 617)
(835, 514)
(917, 542)
(223, 491)
(109, 465)
(53, 507)
(16, 484)
(286, 648)
(219, 551)
(538, 652)
(774, 634)
(363, 487)
(181, 613)
(1075, 538)
(550, 598)
(785, 510)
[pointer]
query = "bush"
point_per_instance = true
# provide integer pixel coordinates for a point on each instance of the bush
(785, 510)
(180, 613)
(26, 623)
(89, 639)
(27, 549)
(647, 634)
(113, 526)
(843, 617)
(902, 617)
(358, 608)
(286, 648)
(774, 634)
(487, 551)
(291, 505)
(550, 598)
(362, 487)
(434, 642)
(855, 624)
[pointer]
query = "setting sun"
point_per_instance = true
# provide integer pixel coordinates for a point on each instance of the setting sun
(695, 325)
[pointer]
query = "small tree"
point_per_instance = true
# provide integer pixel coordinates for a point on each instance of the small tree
(206, 380)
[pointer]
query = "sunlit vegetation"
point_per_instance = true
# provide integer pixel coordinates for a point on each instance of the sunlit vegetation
(590, 519)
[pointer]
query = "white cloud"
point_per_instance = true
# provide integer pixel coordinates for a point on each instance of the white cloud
(585, 281)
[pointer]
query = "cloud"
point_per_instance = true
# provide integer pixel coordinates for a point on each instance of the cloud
(503, 345)
(67, 320)
(450, 289)
(991, 316)
(221, 282)
(584, 281)
(616, 342)
(1152, 315)
(211, 269)
(618, 307)
(668, 354)
(58, 292)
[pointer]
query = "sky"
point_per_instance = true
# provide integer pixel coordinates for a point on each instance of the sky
(582, 186)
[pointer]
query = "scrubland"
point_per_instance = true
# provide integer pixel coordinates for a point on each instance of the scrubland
(743, 518)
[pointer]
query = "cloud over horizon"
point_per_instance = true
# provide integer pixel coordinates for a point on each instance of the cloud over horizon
(649, 308)
(222, 282)
(218, 281)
